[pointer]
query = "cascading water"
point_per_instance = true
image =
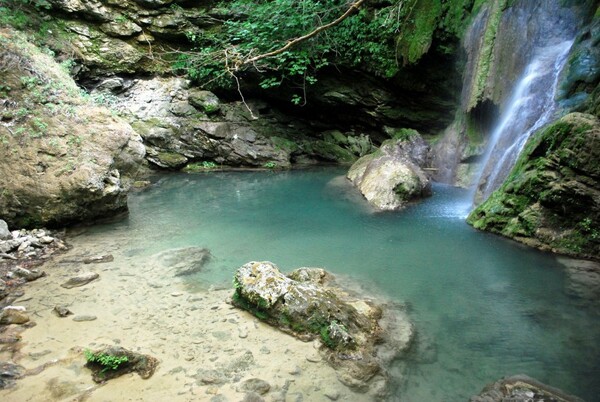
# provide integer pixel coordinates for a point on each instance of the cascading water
(530, 107)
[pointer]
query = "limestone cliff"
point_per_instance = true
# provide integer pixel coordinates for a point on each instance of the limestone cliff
(63, 158)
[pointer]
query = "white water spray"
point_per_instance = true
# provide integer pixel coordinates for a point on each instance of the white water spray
(530, 107)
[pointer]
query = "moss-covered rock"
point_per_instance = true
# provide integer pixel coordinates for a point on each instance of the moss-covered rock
(63, 158)
(307, 305)
(551, 199)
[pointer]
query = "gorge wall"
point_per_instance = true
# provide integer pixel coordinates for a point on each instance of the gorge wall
(454, 70)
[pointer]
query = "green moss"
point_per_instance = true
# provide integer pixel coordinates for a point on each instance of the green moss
(486, 57)
(172, 159)
(405, 134)
(284, 144)
(200, 167)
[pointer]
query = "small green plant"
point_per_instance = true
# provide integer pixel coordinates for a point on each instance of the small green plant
(270, 165)
(29, 82)
(324, 332)
(107, 361)
(209, 165)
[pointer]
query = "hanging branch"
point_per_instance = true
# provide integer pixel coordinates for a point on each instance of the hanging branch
(293, 42)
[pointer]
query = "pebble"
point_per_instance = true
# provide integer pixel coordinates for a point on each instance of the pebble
(333, 395)
(295, 371)
(46, 239)
(313, 358)
(62, 311)
(81, 318)
(242, 332)
(98, 259)
(256, 385)
(176, 294)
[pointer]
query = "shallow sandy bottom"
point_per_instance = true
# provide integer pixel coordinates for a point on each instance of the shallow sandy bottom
(206, 347)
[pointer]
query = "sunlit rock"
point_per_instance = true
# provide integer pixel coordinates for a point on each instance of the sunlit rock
(355, 333)
(391, 177)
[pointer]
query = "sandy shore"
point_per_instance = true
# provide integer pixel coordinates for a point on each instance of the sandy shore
(207, 349)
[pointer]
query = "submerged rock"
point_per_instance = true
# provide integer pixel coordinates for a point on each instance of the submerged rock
(353, 332)
(521, 388)
(392, 177)
(61, 311)
(9, 373)
(13, 316)
(80, 280)
(551, 198)
(182, 261)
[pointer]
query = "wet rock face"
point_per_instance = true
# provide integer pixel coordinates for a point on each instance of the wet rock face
(551, 199)
(392, 177)
(581, 76)
(305, 305)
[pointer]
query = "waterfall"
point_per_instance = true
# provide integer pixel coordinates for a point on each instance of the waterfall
(529, 108)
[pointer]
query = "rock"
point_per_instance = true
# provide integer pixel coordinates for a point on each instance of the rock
(28, 275)
(5, 234)
(144, 365)
(352, 332)
(252, 397)
(80, 280)
(9, 373)
(392, 177)
(46, 239)
(521, 388)
(182, 261)
(551, 198)
(84, 318)
(256, 385)
(42, 185)
(205, 101)
(61, 311)
(332, 395)
(11, 316)
(99, 259)
(10, 245)
(3, 290)
(124, 29)
(583, 280)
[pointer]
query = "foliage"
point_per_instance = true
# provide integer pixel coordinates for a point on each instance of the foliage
(378, 38)
(107, 361)
(270, 165)
(14, 12)
(364, 39)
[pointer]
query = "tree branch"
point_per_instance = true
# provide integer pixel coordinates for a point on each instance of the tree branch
(293, 42)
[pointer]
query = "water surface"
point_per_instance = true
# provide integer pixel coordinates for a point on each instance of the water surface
(484, 307)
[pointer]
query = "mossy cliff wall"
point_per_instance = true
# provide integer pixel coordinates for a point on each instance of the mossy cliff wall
(499, 44)
(551, 199)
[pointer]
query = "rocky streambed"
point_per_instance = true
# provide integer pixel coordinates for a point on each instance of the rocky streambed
(100, 293)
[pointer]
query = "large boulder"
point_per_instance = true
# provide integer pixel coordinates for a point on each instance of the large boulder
(551, 199)
(63, 158)
(356, 333)
(391, 177)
